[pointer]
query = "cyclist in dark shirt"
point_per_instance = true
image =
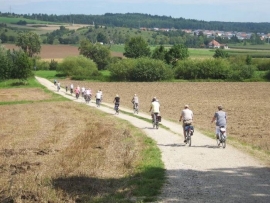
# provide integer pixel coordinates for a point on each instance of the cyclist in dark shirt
(116, 102)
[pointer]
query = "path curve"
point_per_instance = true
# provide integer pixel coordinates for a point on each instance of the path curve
(202, 172)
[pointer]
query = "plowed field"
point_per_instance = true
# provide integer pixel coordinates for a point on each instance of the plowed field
(57, 52)
(247, 104)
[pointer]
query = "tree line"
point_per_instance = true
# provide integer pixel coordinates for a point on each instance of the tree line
(137, 20)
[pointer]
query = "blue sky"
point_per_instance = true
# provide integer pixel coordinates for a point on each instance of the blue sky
(208, 10)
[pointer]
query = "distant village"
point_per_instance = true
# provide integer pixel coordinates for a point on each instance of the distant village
(213, 33)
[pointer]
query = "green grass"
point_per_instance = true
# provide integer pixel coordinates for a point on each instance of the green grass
(30, 83)
(105, 73)
(13, 20)
(48, 74)
(117, 48)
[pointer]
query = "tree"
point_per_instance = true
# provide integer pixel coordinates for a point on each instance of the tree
(159, 53)
(78, 67)
(175, 53)
(5, 64)
(220, 53)
(136, 47)
(21, 65)
(29, 42)
(97, 52)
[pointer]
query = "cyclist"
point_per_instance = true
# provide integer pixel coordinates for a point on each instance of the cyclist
(101, 97)
(187, 116)
(83, 91)
(71, 88)
(116, 102)
(154, 109)
(135, 101)
(221, 120)
(77, 92)
(58, 86)
(87, 94)
(98, 98)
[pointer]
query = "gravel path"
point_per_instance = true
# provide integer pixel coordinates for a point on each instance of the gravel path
(202, 172)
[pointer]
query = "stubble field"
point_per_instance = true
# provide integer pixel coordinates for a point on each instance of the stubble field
(247, 104)
(60, 151)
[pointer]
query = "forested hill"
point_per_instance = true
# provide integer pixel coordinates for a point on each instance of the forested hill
(136, 20)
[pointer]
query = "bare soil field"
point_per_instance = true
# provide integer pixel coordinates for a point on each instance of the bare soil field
(57, 52)
(64, 152)
(247, 104)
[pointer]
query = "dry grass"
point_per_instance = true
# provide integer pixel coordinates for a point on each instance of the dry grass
(247, 104)
(63, 152)
(19, 94)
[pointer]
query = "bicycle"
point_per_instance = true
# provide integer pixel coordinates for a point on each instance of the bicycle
(136, 108)
(116, 108)
(77, 95)
(155, 120)
(87, 98)
(189, 129)
(221, 137)
(98, 102)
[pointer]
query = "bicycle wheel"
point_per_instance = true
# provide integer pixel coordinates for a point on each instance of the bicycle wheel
(223, 142)
(188, 138)
(157, 124)
(218, 141)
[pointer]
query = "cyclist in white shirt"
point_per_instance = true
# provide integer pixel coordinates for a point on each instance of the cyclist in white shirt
(187, 117)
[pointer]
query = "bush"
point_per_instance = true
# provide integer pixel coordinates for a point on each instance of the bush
(79, 67)
(53, 65)
(121, 70)
(243, 72)
(263, 65)
(141, 69)
(206, 69)
(267, 75)
(149, 70)
(42, 65)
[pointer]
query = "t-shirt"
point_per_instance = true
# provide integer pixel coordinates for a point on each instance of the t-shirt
(187, 114)
(136, 100)
(117, 99)
(88, 92)
(98, 95)
(221, 118)
(155, 107)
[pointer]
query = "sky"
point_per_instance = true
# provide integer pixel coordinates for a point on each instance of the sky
(207, 10)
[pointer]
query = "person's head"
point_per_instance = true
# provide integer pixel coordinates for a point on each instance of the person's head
(154, 99)
(135, 95)
(117, 95)
(220, 108)
(186, 106)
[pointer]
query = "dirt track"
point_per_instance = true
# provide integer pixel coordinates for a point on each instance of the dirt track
(203, 172)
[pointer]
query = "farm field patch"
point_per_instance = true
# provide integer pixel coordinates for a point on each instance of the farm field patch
(19, 94)
(247, 104)
(58, 52)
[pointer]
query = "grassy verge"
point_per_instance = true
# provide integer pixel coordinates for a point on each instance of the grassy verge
(107, 159)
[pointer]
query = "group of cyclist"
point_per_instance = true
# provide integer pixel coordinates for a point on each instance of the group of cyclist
(187, 117)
